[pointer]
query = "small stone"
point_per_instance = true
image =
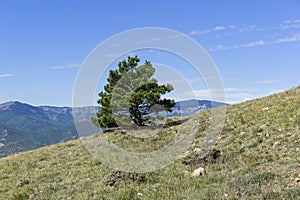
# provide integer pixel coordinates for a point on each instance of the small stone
(266, 108)
(197, 150)
(267, 135)
(276, 144)
(198, 172)
(297, 180)
(139, 194)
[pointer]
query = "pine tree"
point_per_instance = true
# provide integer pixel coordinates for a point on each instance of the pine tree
(131, 95)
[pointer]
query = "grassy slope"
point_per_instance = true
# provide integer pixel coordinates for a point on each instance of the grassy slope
(259, 160)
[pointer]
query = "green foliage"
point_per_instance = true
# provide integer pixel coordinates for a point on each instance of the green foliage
(131, 95)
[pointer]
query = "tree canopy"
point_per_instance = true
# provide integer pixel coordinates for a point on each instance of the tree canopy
(132, 95)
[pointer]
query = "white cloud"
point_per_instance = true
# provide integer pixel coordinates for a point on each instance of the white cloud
(219, 28)
(239, 29)
(218, 47)
(154, 39)
(6, 75)
(190, 80)
(271, 81)
(68, 66)
(200, 32)
(246, 28)
(231, 28)
(237, 95)
(158, 39)
(255, 43)
(215, 29)
(292, 21)
(274, 91)
(293, 38)
(288, 24)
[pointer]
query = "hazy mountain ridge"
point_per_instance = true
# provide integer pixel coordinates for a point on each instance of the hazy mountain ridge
(189, 107)
(26, 127)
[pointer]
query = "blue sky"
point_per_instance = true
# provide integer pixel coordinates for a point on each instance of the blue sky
(254, 44)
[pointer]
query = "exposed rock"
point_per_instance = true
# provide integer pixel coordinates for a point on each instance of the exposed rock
(140, 194)
(116, 176)
(198, 172)
(259, 134)
(266, 108)
(200, 157)
(276, 144)
(197, 150)
(242, 133)
(23, 182)
(183, 155)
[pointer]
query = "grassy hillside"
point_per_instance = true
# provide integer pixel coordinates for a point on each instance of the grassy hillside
(259, 159)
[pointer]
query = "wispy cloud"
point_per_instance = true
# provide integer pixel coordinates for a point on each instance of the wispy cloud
(218, 47)
(190, 80)
(288, 24)
(223, 28)
(157, 39)
(6, 75)
(255, 43)
(232, 95)
(215, 29)
(200, 32)
(237, 95)
(243, 28)
(270, 81)
(68, 66)
(287, 39)
(219, 28)
(274, 91)
(294, 38)
(247, 28)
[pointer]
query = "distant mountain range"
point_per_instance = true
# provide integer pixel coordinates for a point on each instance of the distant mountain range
(25, 127)
(189, 107)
